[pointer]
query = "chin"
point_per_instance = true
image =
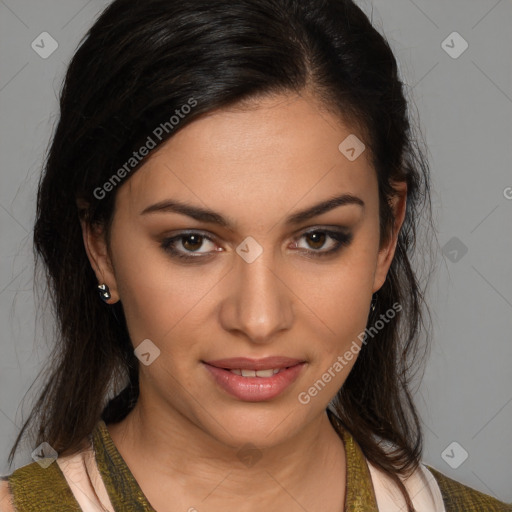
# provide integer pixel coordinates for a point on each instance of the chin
(260, 424)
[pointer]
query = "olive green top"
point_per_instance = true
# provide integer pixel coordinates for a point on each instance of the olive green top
(38, 489)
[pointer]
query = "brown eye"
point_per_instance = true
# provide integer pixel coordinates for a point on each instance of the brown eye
(192, 242)
(187, 246)
(316, 239)
(320, 238)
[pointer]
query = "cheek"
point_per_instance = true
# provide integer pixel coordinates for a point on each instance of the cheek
(344, 284)
(159, 298)
(340, 296)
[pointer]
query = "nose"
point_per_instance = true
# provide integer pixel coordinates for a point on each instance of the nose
(259, 304)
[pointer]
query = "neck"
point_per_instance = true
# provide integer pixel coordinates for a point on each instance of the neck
(169, 456)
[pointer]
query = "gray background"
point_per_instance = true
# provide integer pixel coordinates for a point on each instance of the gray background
(465, 108)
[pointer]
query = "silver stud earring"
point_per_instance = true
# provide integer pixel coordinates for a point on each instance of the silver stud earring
(104, 292)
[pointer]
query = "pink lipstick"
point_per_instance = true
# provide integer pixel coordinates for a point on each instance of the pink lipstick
(255, 380)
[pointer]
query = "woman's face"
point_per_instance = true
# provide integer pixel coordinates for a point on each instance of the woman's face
(252, 272)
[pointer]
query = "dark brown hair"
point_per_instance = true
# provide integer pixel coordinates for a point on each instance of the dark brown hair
(140, 63)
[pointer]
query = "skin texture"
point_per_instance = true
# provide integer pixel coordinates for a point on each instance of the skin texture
(6, 504)
(255, 166)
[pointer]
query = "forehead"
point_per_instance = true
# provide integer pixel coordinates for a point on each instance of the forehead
(279, 148)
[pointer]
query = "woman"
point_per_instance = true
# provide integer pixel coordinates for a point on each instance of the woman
(239, 182)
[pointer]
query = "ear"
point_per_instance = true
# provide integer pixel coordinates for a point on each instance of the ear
(97, 252)
(387, 251)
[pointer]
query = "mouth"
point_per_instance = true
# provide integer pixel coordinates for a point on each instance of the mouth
(254, 380)
(255, 373)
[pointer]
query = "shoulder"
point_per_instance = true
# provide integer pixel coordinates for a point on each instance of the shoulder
(35, 483)
(420, 485)
(6, 504)
(432, 490)
(70, 483)
(457, 496)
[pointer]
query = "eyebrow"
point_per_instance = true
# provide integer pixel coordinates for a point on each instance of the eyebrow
(209, 216)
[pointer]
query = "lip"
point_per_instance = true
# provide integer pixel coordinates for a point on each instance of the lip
(254, 389)
(254, 364)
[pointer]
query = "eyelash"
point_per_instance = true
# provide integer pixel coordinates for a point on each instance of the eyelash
(341, 239)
